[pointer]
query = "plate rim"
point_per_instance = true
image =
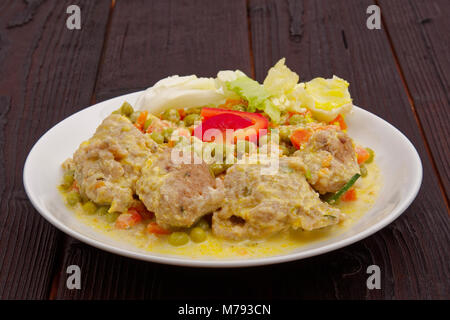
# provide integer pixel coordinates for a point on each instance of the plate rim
(219, 263)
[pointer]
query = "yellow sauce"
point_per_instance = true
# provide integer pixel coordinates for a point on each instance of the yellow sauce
(367, 191)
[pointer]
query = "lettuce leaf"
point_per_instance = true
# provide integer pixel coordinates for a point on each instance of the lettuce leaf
(256, 96)
(280, 79)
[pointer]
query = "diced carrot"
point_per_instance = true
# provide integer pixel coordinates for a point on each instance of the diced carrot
(142, 210)
(99, 184)
(141, 120)
(327, 161)
(362, 154)
(340, 120)
(350, 195)
(128, 219)
(182, 113)
(300, 136)
(75, 186)
(153, 227)
(243, 252)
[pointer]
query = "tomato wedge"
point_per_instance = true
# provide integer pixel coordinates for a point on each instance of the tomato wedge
(246, 125)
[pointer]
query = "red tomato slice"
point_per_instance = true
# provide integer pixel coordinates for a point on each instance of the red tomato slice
(249, 124)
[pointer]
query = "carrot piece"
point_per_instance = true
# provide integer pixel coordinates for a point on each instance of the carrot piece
(141, 120)
(128, 219)
(300, 136)
(362, 154)
(99, 184)
(182, 113)
(153, 227)
(142, 210)
(75, 186)
(340, 120)
(350, 195)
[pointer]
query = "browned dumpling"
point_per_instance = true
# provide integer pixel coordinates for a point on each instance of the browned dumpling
(259, 205)
(108, 164)
(330, 158)
(179, 194)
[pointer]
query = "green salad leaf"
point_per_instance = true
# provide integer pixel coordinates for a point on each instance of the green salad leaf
(256, 96)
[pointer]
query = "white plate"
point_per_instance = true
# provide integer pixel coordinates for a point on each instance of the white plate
(397, 158)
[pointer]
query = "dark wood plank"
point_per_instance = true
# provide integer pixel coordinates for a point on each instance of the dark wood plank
(149, 40)
(322, 38)
(420, 36)
(172, 37)
(45, 75)
(412, 252)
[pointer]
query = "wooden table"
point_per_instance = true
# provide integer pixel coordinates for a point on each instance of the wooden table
(401, 73)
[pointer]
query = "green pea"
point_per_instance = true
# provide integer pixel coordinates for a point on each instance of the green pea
(217, 168)
(147, 124)
(102, 211)
(167, 133)
(203, 224)
(371, 155)
(308, 174)
(111, 216)
(134, 116)
(197, 234)
(284, 149)
(171, 115)
(196, 110)
(178, 238)
(285, 133)
(73, 198)
(126, 109)
(68, 179)
(363, 170)
(157, 137)
(296, 119)
(239, 107)
(89, 207)
(190, 119)
(244, 146)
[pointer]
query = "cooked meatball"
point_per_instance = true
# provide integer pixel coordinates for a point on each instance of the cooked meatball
(108, 164)
(179, 194)
(330, 158)
(257, 205)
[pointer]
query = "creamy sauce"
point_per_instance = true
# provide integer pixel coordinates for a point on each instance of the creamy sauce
(367, 191)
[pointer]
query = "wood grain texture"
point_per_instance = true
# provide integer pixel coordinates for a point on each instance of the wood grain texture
(150, 40)
(420, 33)
(45, 75)
(322, 38)
(147, 41)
